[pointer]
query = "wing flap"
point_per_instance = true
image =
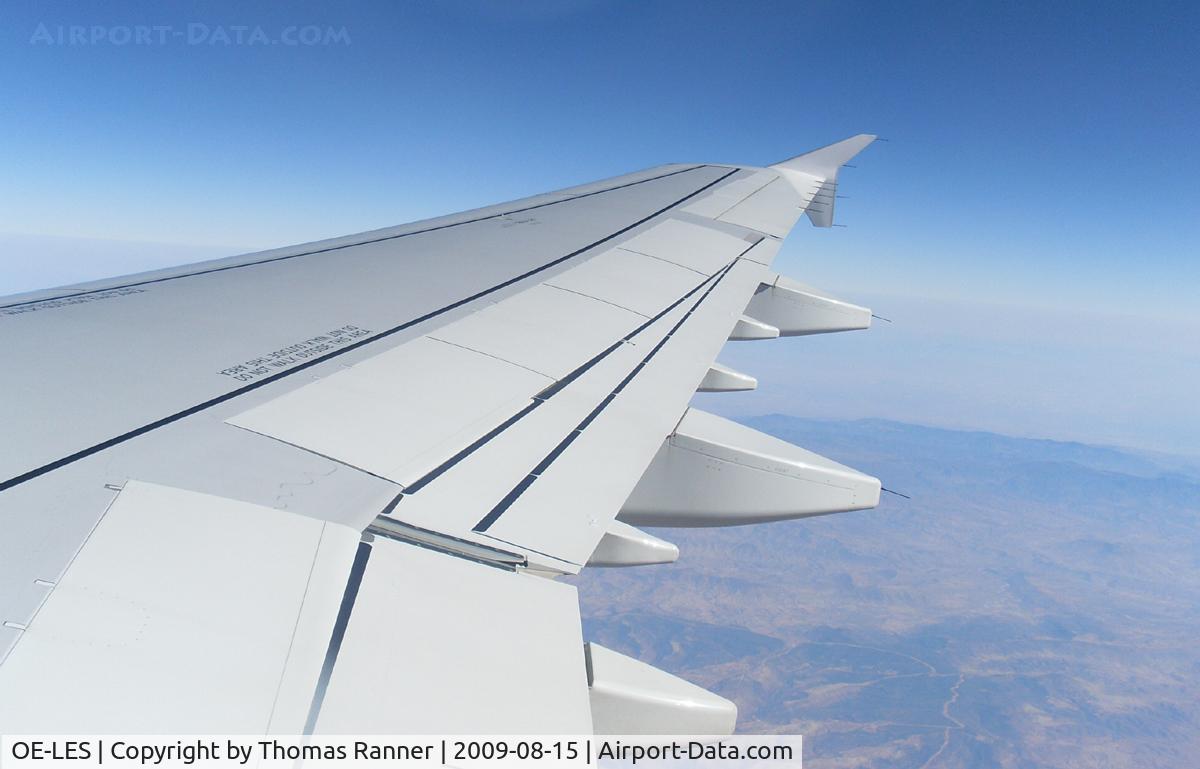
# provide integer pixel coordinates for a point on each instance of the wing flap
(432, 641)
(181, 610)
(189, 612)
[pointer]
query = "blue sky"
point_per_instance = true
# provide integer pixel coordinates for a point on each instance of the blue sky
(1030, 225)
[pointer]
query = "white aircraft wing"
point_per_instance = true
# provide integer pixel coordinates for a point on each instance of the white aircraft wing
(329, 488)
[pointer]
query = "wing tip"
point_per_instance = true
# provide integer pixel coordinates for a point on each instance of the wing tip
(824, 162)
(815, 172)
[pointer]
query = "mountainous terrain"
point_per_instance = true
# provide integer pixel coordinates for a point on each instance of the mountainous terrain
(1035, 604)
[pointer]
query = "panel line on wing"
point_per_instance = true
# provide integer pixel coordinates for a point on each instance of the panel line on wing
(308, 583)
(744, 198)
(486, 354)
(353, 583)
(598, 299)
(663, 259)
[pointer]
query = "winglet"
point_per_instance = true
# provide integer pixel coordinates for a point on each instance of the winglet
(814, 175)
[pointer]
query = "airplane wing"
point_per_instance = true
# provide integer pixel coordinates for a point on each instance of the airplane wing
(329, 488)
